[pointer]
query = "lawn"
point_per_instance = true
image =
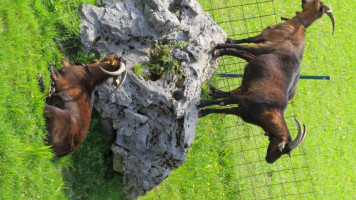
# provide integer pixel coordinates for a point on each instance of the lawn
(226, 160)
(28, 169)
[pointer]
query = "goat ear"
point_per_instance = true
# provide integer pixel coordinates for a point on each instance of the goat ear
(321, 11)
(65, 62)
(281, 145)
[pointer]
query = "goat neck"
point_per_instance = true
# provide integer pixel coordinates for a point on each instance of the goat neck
(307, 18)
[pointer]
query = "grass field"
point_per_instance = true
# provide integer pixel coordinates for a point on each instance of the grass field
(27, 167)
(216, 166)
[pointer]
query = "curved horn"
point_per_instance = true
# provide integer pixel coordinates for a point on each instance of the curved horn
(328, 11)
(122, 79)
(116, 73)
(121, 82)
(300, 137)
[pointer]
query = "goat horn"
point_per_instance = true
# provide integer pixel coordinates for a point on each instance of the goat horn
(328, 11)
(300, 137)
(121, 82)
(116, 73)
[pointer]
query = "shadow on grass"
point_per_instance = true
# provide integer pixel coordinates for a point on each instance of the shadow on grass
(90, 174)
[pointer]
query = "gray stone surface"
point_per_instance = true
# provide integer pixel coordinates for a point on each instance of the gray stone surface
(154, 121)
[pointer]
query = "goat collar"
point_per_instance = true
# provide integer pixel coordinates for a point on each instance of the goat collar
(86, 70)
(301, 22)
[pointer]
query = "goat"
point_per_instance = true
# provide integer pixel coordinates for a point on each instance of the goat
(68, 110)
(270, 77)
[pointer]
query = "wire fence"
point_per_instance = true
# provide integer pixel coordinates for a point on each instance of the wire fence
(288, 178)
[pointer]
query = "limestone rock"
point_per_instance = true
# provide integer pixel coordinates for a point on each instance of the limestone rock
(154, 121)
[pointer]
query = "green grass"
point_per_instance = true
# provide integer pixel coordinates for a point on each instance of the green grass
(215, 166)
(27, 28)
(138, 69)
(25, 166)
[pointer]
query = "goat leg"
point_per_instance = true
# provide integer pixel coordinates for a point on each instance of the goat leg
(234, 52)
(234, 99)
(205, 112)
(60, 130)
(257, 49)
(218, 94)
(40, 83)
(256, 39)
(42, 86)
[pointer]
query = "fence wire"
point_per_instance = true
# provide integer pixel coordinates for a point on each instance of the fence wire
(288, 178)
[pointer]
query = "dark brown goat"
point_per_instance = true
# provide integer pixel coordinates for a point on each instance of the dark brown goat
(270, 77)
(68, 110)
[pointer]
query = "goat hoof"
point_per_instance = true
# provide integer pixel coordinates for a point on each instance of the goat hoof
(219, 46)
(216, 54)
(40, 82)
(212, 88)
(201, 113)
(202, 103)
(213, 91)
(229, 41)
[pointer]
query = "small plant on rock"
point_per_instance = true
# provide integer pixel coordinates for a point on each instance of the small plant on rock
(162, 63)
(139, 70)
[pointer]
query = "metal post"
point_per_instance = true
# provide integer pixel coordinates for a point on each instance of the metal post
(314, 77)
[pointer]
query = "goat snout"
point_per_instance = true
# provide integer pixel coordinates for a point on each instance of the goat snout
(272, 157)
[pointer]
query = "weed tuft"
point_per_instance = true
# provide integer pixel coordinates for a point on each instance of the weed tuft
(162, 62)
(205, 91)
(139, 70)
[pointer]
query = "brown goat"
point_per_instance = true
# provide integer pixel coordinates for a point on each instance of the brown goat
(68, 110)
(270, 77)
